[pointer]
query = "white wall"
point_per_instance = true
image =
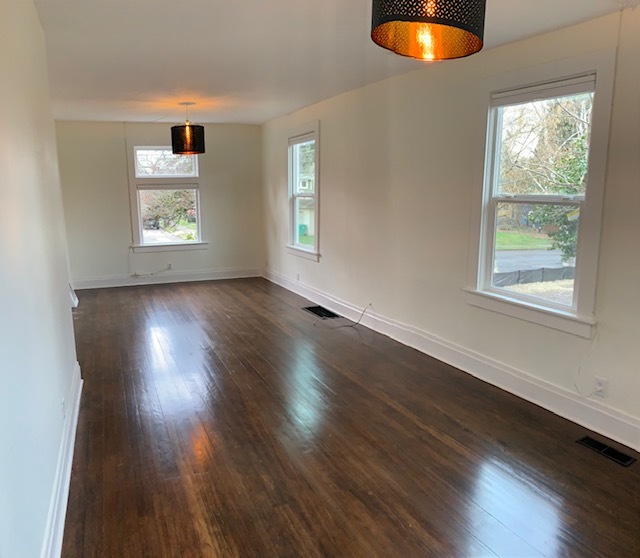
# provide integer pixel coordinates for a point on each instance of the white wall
(401, 160)
(37, 351)
(93, 168)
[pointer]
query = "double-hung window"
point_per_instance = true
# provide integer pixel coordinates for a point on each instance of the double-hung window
(165, 199)
(303, 192)
(542, 200)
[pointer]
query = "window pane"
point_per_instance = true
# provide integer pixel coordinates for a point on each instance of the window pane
(544, 146)
(168, 216)
(305, 222)
(162, 162)
(304, 164)
(535, 249)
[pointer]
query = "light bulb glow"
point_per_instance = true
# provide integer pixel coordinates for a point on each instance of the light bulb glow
(425, 40)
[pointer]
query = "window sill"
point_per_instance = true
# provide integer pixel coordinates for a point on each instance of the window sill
(140, 248)
(582, 326)
(302, 253)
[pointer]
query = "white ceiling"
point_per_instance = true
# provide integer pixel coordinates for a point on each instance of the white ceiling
(240, 60)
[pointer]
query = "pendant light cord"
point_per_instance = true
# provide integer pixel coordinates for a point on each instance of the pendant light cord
(186, 108)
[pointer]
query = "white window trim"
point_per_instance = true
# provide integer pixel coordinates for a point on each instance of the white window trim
(168, 182)
(582, 321)
(141, 248)
(302, 253)
(309, 131)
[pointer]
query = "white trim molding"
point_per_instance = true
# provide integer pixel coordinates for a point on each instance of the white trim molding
(583, 326)
(73, 297)
(52, 547)
(306, 254)
(588, 413)
(173, 247)
(165, 277)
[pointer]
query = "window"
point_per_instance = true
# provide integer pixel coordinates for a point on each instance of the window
(169, 215)
(542, 200)
(303, 192)
(165, 201)
(160, 161)
(536, 189)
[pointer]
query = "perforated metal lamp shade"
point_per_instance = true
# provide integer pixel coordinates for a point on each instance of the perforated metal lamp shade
(429, 29)
(187, 139)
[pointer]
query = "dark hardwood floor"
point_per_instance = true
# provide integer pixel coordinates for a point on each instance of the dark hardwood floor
(217, 420)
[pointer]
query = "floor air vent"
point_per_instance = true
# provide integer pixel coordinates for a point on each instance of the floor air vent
(607, 451)
(321, 312)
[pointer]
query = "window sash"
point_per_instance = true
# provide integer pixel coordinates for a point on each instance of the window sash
(310, 195)
(485, 282)
(164, 186)
(297, 224)
(296, 174)
(546, 90)
(168, 186)
(303, 138)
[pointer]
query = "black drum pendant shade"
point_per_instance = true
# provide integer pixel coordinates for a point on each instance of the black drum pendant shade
(187, 139)
(429, 29)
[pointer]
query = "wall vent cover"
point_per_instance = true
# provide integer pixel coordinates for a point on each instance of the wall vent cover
(321, 312)
(603, 449)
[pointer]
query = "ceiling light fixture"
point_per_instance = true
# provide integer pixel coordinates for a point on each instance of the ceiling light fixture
(187, 138)
(429, 29)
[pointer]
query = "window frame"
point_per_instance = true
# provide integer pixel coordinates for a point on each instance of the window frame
(304, 134)
(545, 81)
(164, 182)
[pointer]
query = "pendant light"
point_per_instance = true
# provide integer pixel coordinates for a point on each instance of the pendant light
(429, 29)
(187, 138)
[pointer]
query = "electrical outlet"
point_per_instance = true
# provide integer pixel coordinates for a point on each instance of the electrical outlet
(63, 408)
(600, 387)
(298, 276)
(169, 266)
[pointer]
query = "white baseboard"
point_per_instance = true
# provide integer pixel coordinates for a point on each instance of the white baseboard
(591, 414)
(73, 297)
(164, 277)
(52, 547)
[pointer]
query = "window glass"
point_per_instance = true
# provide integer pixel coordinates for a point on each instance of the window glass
(535, 250)
(544, 146)
(161, 162)
(305, 167)
(305, 219)
(168, 215)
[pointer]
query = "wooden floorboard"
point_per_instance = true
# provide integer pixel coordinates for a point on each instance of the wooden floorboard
(220, 420)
